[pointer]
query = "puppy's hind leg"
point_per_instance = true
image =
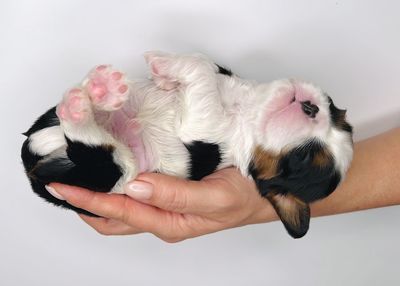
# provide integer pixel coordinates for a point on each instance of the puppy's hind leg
(195, 76)
(93, 158)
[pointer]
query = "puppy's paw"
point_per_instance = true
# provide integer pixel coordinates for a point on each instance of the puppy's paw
(107, 88)
(75, 107)
(160, 67)
(170, 71)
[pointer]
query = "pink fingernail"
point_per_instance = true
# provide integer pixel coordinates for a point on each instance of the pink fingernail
(54, 193)
(139, 190)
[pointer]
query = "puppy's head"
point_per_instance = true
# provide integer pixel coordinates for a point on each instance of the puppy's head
(304, 150)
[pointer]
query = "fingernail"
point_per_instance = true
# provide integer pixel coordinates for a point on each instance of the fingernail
(139, 190)
(54, 193)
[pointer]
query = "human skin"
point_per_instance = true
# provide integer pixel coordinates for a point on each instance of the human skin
(176, 209)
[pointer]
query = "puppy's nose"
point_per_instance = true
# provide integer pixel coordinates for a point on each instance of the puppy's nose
(309, 108)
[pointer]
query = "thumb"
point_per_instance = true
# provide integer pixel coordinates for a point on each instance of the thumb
(170, 193)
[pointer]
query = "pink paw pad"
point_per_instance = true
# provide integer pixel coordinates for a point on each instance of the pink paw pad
(107, 88)
(75, 106)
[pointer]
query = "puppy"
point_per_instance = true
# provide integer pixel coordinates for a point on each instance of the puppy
(192, 118)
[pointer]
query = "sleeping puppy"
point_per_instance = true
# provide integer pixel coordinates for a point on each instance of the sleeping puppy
(192, 118)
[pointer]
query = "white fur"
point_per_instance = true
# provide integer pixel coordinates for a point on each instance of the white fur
(187, 101)
(156, 113)
(46, 140)
(341, 146)
(230, 111)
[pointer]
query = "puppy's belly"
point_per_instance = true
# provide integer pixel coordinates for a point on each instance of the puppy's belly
(146, 124)
(124, 126)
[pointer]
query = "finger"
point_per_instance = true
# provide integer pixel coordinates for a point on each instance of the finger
(107, 226)
(115, 206)
(177, 195)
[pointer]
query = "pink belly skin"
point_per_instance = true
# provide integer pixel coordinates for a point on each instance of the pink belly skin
(124, 127)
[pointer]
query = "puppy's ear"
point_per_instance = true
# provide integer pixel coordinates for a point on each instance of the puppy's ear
(293, 212)
(292, 180)
(338, 117)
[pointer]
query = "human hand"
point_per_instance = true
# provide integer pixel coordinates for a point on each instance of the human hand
(173, 209)
(178, 209)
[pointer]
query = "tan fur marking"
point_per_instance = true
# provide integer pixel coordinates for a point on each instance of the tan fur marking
(293, 212)
(322, 158)
(288, 206)
(265, 163)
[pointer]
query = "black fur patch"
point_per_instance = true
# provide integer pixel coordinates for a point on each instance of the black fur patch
(48, 119)
(90, 167)
(224, 71)
(30, 160)
(338, 117)
(299, 177)
(205, 158)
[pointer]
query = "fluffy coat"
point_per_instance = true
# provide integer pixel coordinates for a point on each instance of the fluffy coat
(192, 118)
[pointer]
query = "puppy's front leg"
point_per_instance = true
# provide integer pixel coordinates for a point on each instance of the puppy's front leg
(201, 112)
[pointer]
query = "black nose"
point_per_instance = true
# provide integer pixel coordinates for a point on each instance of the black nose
(309, 108)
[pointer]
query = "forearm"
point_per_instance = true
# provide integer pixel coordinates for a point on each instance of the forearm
(373, 179)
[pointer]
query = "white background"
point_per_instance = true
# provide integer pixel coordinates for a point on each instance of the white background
(350, 48)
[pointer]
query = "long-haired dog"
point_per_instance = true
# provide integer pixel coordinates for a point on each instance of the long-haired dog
(193, 118)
